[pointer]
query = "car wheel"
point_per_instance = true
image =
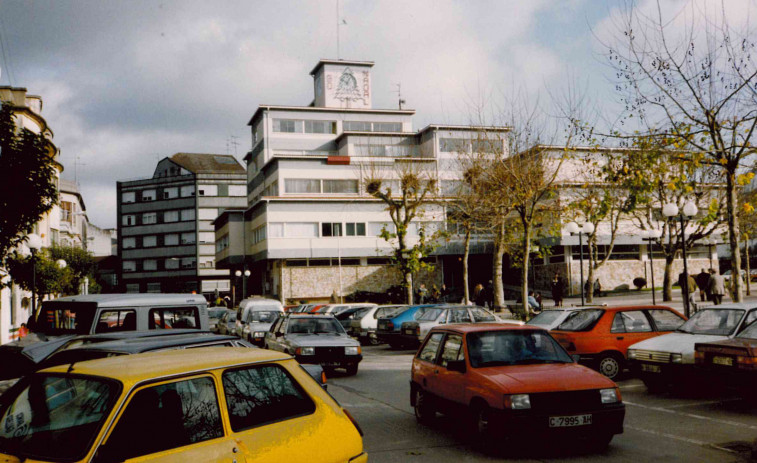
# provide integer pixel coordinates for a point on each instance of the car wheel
(373, 341)
(610, 365)
(480, 421)
(351, 370)
(424, 409)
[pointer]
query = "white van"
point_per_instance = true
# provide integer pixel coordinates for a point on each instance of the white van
(255, 317)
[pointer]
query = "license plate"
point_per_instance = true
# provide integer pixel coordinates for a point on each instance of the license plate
(650, 368)
(727, 361)
(569, 421)
(409, 332)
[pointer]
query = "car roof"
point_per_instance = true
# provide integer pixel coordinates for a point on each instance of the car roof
(135, 345)
(477, 327)
(116, 335)
(118, 300)
(308, 315)
(623, 308)
(736, 305)
(134, 368)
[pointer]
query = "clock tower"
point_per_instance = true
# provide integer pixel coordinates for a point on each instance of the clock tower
(342, 84)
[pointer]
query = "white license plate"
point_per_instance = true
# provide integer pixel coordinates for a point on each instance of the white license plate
(650, 368)
(569, 421)
(409, 332)
(727, 361)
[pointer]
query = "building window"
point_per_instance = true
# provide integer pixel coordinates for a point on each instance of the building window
(286, 126)
(149, 218)
(187, 191)
(276, 229)
(272, 189)
(172, 263)
(149, 241)
(128, 197)
(170, 216)
(207, 262)
(208, 214)
(486, 146)
(132, 288)
(237, 190)
(375, 228)
(207, 190)
(222, 243)
(297, 263)
(320, 127)
(129, 266)
(188, 238)
(454, 145)
(66, 211)
(153, 287)
(187, 214)
(340, 186)
(171, 240)
(207, 237)
(331, 229)
(188, 262)
(355, 229)
(302, 185)
(148, 195)
(170, 193)
(301, 230)
(360, 126)
(149, 264)
(129, 243)
(128, 220)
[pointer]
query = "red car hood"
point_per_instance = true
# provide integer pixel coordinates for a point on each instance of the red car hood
(546, 378)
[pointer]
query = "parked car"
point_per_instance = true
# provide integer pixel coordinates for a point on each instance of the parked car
(551, 318)
(60, 320)
(732, 362)
(228, 323)
(259, 318)
(365, 322)
(601, 336)
(164, 406)
(318, 339)
(345, 314)
(389, 330)
(512, 381)
(414, 332)
(214, 316)
(256, 304)
(670, 358)
(336, 309)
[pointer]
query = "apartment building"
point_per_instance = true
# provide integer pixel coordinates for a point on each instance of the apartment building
(309, 230)
(165, 234)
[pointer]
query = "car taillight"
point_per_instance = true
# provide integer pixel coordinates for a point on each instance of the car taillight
(747, 363)
(354, 422)
(389, 325)
(699, 357)
(323, 377)
(418, 330)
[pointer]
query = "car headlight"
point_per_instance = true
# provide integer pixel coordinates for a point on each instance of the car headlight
(246, 329)
(518, 401)
(305, 351)
(676, 358)
(352, 350)
(631, 354)
(609, 396)
(258, 334)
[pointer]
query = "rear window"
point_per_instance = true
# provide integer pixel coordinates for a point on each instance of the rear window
(431, 315)
(263, 317)
(57, 318)
(581, 320)
(546, 318)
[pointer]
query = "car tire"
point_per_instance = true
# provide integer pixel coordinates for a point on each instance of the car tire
(610, 364)
(424, 408)
(351, 369)
(480, 421)
(373, 341)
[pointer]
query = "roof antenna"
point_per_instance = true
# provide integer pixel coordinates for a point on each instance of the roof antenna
(399, 95)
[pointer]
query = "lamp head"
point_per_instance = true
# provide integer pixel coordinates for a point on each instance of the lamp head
(690, 209)
(572, 227)
(61, 264)
(588, 228)
(238, 273)
(246, 273)
(34, 241)
(670, 210)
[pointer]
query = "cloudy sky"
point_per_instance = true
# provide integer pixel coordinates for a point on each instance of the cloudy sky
(126, 83)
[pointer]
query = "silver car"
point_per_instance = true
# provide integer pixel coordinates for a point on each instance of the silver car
(415, 331)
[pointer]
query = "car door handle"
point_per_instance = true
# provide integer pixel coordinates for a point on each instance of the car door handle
(619, 338)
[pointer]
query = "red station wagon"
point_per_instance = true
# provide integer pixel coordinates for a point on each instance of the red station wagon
(512, 381)
(601, 335)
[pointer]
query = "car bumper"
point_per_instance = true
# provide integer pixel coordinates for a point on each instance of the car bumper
(362, 334)
(329, 362)
(389, 337)
(257, 341)
(608, 420)
(663, 372)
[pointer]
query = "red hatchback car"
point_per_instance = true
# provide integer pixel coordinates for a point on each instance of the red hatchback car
(512, 380)
(601, 335)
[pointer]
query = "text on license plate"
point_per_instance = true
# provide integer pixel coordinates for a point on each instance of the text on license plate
(650, 368)
(567, 421)
(408, 331)
(727, 361)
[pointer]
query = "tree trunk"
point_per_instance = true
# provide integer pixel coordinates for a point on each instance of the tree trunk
(748, 269)
(733, 236)
(497, 259)
(590, 272)
(409, 287)
(667, 284)
(407, 275)
(466, 253)
(524, 269)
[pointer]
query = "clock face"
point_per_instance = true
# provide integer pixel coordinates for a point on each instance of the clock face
(347, 89)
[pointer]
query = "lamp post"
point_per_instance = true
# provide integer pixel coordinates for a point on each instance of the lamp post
(650, 236)
(671, 210)
(587, 228)
(34, 242)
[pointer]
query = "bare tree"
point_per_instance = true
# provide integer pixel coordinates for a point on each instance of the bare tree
(691, 77)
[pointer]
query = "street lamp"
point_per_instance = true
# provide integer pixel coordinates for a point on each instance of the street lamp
(34, 242)
(670, 210)
(587, 228)
(650, 236)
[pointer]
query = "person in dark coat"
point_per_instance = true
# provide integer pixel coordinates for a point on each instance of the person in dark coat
(703, 280)
(489, 294)
(716, 287)
(478, 295)
(558, 289)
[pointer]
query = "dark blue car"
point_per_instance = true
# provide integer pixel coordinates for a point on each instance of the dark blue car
(388, 329)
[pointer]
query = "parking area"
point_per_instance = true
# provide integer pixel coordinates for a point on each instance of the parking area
(674, 426)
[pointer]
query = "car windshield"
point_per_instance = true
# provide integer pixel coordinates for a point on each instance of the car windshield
(231, 317)
(360, 313)
(315, 326)
(430, 315)
(498, 348)
(55, 418)
(216, 313)
(546, 318)
(57, 318)
(721, 322)
(750, 332)
(264, 317)
(581, 320)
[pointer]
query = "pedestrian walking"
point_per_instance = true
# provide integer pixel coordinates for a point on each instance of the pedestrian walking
(703, 280)
(478, 295)
(558, 289)
(489, 292)
(716, 287)
(422, 293)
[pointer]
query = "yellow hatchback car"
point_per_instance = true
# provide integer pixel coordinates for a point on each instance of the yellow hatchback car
(213, 404)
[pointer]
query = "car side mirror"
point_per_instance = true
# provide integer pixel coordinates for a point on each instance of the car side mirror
(456, 365)
(575, 358)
